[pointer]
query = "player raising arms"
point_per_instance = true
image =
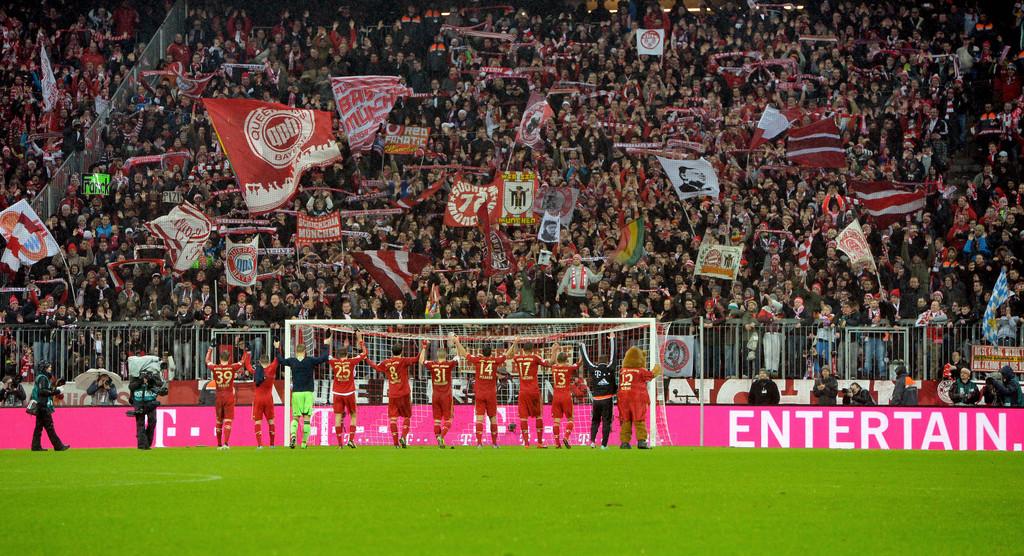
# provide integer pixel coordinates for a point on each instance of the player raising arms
(396, 370)
(602, 384)
(633, 397)
(486, 366)
(263, 399)
(302, 388)
(343, 391)
(440, 370)
(224, 374)
(562, 375)
(527, 365)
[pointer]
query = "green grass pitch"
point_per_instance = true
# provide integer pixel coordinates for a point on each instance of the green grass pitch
(510, 501)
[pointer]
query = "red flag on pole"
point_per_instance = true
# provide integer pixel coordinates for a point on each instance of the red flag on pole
(817, 145)
(270, 145)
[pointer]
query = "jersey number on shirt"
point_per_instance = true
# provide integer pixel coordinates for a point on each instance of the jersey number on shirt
(393, 373)
(343, 373)
(486, 369)
(223, 377)
(627, 382)
(439, 377)
(524, 367)
(560, 380)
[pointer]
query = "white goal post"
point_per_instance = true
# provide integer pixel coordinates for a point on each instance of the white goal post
(600, 336)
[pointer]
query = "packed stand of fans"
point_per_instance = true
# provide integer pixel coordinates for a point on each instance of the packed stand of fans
(922, 93)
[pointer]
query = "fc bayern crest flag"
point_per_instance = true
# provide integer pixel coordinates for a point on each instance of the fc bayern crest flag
(650, 41)
(241, 262)
(270, 145)
(537, 113)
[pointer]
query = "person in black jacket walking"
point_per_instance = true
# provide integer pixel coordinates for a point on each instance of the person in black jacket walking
(43, 394)
(763, 390)
(601, 379)
(826, 388)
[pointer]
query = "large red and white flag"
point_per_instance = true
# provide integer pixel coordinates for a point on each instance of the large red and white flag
(393, 270)
(364, 102)
(465, 201)
(852, 242)
(184, 232)
(50, 93)
(537, 113)
(270, 145)
(28, 240)
(884, 202)
(817, 145)
(240, 262)
(772, 124)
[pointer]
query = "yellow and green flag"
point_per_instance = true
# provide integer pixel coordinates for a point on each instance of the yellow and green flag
(631, 243)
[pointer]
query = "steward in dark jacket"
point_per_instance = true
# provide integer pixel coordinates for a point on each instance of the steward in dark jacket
(763, 390)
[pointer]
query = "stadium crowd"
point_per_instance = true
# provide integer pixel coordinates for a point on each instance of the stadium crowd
(925, 94)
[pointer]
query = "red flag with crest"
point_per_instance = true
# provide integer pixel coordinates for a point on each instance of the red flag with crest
(270, 145)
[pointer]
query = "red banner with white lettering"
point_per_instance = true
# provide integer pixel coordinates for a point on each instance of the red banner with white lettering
(465, 200)
(363, 104)
(270, 145)
(317, 229)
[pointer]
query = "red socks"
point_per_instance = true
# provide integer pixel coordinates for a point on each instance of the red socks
(437, 429)
(479, 433)
(337, 434)
(271, 434)
(227, 431)
(352, 433)
(494, 433)
(568, 430)
(405, 430)
(259, 433)
(556, 429)
(444, 427)
(217, 430)
(540, 432)
(524, 427)
(394, 432)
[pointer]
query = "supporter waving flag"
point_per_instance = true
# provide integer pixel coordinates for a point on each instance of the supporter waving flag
(1000, 293)
(537, 113)
(270, 145)
(364, 102)
(28, 240)
(392, 270)
(184, 231)
(817, 145)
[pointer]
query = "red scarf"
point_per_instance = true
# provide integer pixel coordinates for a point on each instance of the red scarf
(583, 277)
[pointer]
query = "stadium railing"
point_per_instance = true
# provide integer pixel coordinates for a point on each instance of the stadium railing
(76, 349)
(48, 199)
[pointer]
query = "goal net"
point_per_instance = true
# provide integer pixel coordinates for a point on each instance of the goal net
(601, 338)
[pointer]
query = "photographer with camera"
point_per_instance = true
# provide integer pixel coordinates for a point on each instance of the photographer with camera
(855, 395)
(102, 390)
(42, 407)
(144, 387)
(1007, 390)
(11, 393)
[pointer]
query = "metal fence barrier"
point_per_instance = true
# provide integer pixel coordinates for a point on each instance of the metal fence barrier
(75, 350)
(794, 349)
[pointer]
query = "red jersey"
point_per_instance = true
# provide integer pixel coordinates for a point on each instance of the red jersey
(396, 370)
(634, 381)
(527, 367)
(266, 388)
(441, 376)
(224, 374)
(343, 371)
(561, 377)
(486, 369)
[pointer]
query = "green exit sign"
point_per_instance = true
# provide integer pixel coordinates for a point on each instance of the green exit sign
(96, 184)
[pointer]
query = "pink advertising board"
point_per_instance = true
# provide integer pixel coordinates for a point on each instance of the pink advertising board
(917, 428)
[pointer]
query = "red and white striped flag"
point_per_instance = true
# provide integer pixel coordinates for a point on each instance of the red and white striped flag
(772, 124)
(393, 270)
(804, 259)
(884, 202)
(817, 145)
